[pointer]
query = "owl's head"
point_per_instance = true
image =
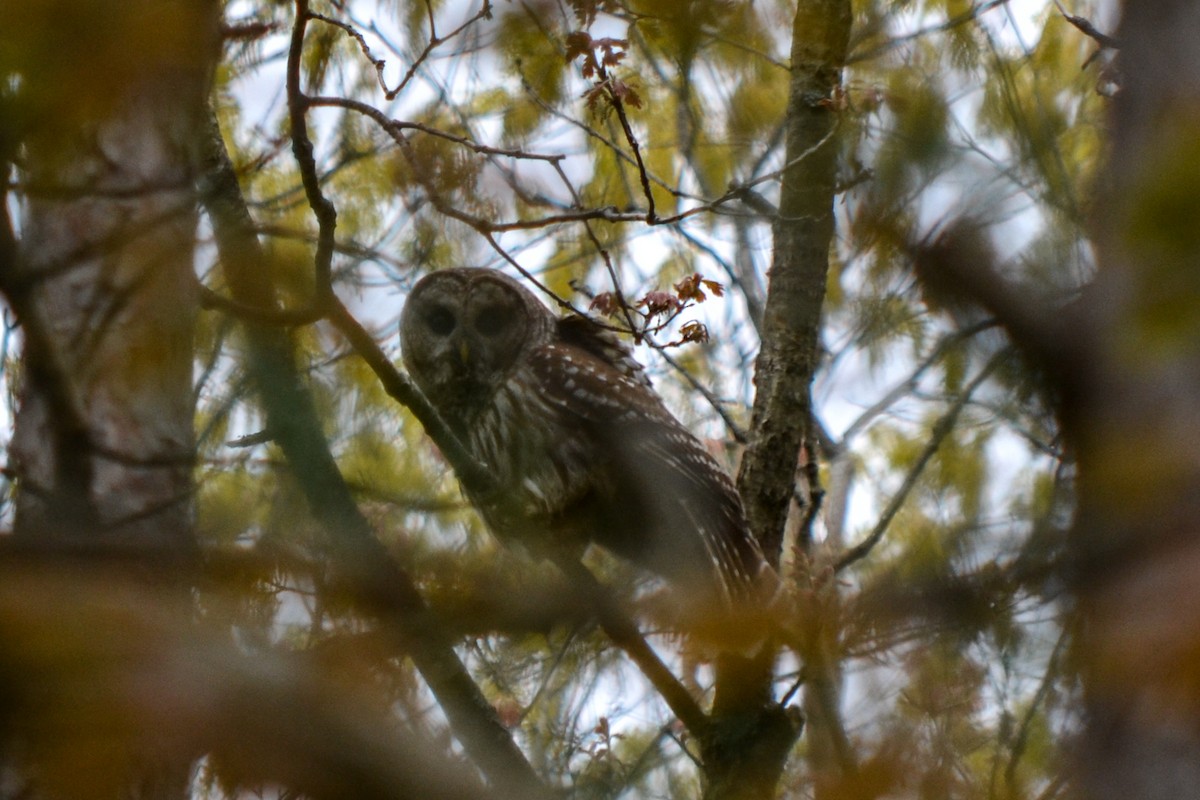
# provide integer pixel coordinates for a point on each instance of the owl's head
(463, 330)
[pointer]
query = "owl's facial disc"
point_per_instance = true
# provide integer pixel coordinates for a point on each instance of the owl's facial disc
(462, 332)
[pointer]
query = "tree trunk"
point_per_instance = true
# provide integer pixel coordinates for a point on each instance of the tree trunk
(101, 280)
(796, 291)
(751, 736)
(103, 284)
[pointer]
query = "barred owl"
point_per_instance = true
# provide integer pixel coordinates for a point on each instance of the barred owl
(582, 448)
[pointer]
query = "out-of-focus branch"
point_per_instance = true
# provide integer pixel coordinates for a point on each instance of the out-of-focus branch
(905, 387)
(1020, 742)
(970, 15)
(624, 634)
(90, 653)
(271, 316)
(959, 265)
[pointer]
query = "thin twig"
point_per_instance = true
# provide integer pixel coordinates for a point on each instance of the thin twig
(1088, 29)
(736, 431)
(943, 428)
(302, 149)
(953, 22)
(378, 63)
(1039, 697)
(485, 12)
(394, 125)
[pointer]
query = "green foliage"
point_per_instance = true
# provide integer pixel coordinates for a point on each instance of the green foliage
(534, 55)
(918, 144)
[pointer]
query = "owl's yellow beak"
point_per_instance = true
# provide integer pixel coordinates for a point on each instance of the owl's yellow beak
(464, 351)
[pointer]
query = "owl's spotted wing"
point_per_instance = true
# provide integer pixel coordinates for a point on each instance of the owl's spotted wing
(670, 505)
(586, 335)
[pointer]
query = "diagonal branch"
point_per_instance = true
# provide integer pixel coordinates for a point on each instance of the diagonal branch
(905, 387)
(1089, 30)
(624, 633)
(958, 264)
(474, 477)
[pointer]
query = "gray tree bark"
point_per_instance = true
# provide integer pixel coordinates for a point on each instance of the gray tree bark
(791, 323)
(104, 102)
(103, 283)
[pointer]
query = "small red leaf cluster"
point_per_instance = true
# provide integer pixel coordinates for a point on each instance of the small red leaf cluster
(659, 309)
(580, 43)
(657, 303)
(598, 55)
(692, 288)
(606, 303)
(692, 331)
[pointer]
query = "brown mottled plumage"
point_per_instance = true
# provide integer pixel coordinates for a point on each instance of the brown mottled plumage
(582, 448)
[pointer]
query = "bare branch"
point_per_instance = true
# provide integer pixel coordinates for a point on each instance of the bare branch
(624, 634)
(377, 63)
(943, 428)
(302, 149)
(1088, 29)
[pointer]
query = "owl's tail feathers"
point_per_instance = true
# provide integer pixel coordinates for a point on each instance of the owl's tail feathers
(743, 621)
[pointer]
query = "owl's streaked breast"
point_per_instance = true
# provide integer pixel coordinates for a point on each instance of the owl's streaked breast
(520, 437)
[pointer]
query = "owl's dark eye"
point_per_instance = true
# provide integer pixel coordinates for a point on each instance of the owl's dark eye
(440, 320)
(492, 320)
